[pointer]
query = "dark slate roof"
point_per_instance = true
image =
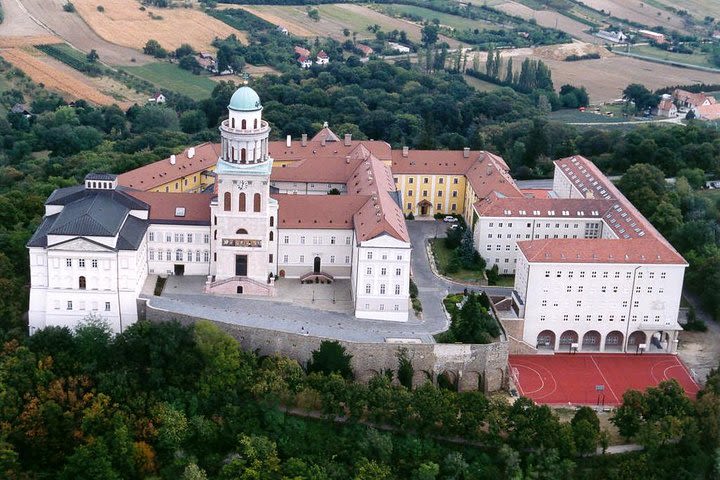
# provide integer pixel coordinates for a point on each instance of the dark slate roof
(131, 234)
(100, 176)
(39, 238)
(90, 212)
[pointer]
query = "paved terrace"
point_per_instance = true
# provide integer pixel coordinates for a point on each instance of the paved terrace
(293, 310)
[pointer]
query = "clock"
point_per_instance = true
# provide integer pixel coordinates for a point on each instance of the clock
(242, 184)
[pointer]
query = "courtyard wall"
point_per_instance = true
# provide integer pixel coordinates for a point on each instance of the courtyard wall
(470, 366)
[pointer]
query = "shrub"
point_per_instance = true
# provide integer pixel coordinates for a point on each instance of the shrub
(413, 289)
(331, 358)
(100, 8)
(416, 305)
(69, 7)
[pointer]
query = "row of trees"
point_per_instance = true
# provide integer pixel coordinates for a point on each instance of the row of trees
(168, 401)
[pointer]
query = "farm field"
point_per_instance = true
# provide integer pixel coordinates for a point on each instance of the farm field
(122, 22)
(333, 19)
(607, 77)
(54, 76)
(550, 19)
(699, 59)
(71, 28)
(446, 19)
(170, 76)
(697, 8)
(640, 11)
(480, 85)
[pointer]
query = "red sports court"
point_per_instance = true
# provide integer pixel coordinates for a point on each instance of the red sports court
(588, 379)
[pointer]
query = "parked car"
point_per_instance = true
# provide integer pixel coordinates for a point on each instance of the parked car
(449, 219)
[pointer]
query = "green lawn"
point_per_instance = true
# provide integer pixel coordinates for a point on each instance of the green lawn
(454, 21)
(697, 58)
(480, 85)
(442, 258)
(171, 77)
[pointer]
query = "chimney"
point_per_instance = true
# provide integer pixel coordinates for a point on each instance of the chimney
(172, 159)
(191, 152)
(304, 139)
(347, 159)
(466, 152)
(406, 150)
(288, 141)
(323, 142)
(348, 139)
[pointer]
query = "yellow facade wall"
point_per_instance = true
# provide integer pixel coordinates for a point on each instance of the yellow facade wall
(444, 193)
(190, 183)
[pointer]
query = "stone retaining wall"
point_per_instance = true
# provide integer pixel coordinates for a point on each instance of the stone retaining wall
(471, 367)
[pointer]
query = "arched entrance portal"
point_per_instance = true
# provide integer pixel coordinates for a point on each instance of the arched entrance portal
(425, 208)
(614, 341)
(635, 340)
(239, 289)
(567, 339)
(546, 340)
(316, 265)
(591, 341)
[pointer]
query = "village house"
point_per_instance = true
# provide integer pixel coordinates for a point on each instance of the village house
(366, 50)
(157, 98)
(666, 108)
(322, 58)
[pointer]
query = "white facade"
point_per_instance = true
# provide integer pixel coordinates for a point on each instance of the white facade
(600, 306)
(300, 251)
(381, 279)
(178, 249)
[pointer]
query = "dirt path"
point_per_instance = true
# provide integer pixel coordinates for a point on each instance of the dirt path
(72, 28)
(700, 351)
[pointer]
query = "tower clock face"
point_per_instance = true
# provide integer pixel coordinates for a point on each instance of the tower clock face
(242, 184)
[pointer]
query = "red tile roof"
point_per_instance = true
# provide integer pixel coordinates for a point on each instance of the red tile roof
(164, 207)
(302, 51)
(543, 207)
(318, 211)
(693, 99)
(161, 172)
(709, 112)
(599, 250)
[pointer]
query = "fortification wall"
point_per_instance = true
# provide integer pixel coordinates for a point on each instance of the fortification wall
(471, 367)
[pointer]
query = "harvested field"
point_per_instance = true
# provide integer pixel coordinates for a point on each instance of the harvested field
(480, 85)
(333, 19)
(17, 22)
(549, 19)
(19, 42)
(697, 8)
(606, 78)
(639, 11)
(561, 52)
(71, 28)
(258, 71)
(69, 83)
(122, 22)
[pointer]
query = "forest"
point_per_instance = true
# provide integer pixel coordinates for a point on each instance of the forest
(165, 401)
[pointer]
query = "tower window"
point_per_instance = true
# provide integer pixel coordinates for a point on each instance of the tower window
(243, 125)
(256, 202)
(241, 202)
(227, 201)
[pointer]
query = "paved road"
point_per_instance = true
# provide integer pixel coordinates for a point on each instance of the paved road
(289, 317)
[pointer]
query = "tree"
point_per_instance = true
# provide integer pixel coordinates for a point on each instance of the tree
(331, 357)
(405, 372)
(152, 47)
(586, 430)
(155, 117)
(193, 121)
(642, 97)
(188, 62)
(183, 50)
(93, 56)
(429, 34)
(468, 256)
(628, 417)
(644, 185)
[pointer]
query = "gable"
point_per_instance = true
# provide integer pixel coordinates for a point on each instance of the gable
(80, 244)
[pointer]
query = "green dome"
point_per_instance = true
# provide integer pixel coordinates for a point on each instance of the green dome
(245, 99)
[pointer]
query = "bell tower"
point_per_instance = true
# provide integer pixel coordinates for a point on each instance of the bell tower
(244, 217)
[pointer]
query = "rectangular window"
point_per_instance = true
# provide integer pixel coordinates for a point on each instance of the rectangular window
(151, 236)
(398, 271)
(94, 263)
(332, 258)
(107, 306)
(69, 304)
(168, 237)
(302, 258)
(332, 240)
(152, 254)
(382, 289)
(270, 258)
(206, 238)
(347, 240)
(368, 288)
(286, 239)
(189, 238)
(81, 263)
(439, 193)
(285, 259)
(369, 255)
(383, 271)
(347, 259)
(206, 256)
(368, 271)
(302, 240)
(68, 262)
(397, 289)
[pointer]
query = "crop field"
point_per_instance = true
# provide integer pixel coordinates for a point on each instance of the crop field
(549, 19)
(67, 82)
(333, 19)
(640, 11)
(480, 85)
(699, 59)
(697, 8)
(123, 23)
(170, 76)
(446, 19)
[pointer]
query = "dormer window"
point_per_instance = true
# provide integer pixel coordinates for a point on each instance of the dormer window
(179, 211)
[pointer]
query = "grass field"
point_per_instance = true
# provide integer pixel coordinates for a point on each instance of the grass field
(640, 11)
(333, 19)
(122, 22)
(442, 259)
(699, 59)
(576, 116)
(480, 85)
(170, 76)
(446, 19)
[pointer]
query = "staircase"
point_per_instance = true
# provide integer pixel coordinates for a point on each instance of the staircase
(248, 286)
(317, 277)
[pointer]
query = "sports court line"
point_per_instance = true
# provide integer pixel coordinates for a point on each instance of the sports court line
(604, 379)
(687, 372)
(517, 380)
